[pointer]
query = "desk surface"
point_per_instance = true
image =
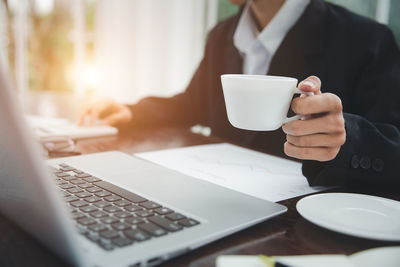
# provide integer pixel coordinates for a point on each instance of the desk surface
(288, 234)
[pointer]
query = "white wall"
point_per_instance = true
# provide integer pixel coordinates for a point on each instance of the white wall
(149, 47)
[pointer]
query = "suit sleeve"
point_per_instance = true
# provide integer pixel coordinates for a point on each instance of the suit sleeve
(184, 109)
(370, 158)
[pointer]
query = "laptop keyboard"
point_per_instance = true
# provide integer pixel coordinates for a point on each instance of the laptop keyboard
(111, 216)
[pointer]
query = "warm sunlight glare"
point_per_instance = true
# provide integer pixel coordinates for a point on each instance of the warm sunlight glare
(91, 78)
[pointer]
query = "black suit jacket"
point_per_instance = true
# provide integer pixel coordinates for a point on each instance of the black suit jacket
(355, 58)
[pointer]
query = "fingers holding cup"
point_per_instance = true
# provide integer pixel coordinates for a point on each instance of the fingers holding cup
(321, 133)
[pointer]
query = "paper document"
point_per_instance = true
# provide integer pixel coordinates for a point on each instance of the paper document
(46, 128)
(240, 169)
(383, 256)
(292, 261)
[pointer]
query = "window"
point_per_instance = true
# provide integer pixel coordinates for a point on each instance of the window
(48, 42)
(226, 9)
(384, 11)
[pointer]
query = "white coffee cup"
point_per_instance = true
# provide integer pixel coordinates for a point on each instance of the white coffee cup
(259, 102)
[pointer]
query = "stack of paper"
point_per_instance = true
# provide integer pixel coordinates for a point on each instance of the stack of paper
(244, 170)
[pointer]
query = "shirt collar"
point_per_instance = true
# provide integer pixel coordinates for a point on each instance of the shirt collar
(273, 34)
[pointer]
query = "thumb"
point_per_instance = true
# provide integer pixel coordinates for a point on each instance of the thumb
(311, 84)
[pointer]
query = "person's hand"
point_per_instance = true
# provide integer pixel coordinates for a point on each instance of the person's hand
(321, 133)
(107, 111)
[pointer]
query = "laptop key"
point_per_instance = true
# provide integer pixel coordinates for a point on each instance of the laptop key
(83, 194)
(60, 182)
(175, 216)
(112, 209)
(81, 229)
(90, 179)
(74, 190)
(188, 222)
(163, 211)
(71, 198)
(61, 174)
(77, 171)
(98, 227)
(120, 226)
(149, 205)
(109, 234)
(88, 209)
(123, 203)
(120, 191)
(152, 229)
(122, 241)
(134, 220)
(85, 185)
(144, 213)
(101, 204)
(122, 214)
(66, 186)
(66, 169)
(79, 203)
(82, 175)
(103, 193)
(109, 220)
(77, 182)
(69, 178)
(98, 214)
(94, 189)
(166, 224)
(77, 215)
(92, 199)
(93, 236)
(64, 165)
(133, 208)
(112, 198)
(105, 244)
(136, 234)
(86, 221)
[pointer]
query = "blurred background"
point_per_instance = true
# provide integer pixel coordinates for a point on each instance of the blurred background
(124, 49)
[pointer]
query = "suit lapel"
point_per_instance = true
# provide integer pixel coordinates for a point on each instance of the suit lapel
(300, 52)
(234, 61)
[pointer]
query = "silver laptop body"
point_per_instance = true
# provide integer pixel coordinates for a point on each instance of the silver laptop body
(29, 197)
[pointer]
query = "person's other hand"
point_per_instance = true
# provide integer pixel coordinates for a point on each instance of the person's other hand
(321, 133)
(107, 111)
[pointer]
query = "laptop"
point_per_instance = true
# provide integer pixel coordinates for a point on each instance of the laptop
(111, 209)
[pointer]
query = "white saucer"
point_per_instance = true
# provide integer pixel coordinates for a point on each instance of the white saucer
(384, 256)
(354, 214)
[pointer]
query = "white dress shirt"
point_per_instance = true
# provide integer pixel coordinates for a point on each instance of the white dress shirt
(258, 48)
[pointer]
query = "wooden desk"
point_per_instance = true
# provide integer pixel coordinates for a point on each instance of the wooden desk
(288, 234)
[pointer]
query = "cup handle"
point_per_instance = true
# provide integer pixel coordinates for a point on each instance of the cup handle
(297, 117)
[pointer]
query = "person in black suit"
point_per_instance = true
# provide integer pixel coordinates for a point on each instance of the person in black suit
(352, 134)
